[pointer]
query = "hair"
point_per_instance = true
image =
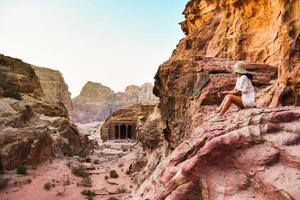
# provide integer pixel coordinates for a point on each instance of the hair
(249, 76)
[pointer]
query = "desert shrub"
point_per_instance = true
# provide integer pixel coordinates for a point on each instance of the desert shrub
(88, 160)
(86, 182)
(22, 169)
(79, 171)
(106, 177)
(48, 186)
(96, 162)
(12, 94)
(121, 189)
(28, 181)
(67, 181)
(3, 182)
(88, 193)
(113, 174)
(69, 164)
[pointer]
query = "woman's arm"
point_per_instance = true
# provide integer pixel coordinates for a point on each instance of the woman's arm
(234, 92)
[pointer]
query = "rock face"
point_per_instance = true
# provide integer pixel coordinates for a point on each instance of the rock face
(54, 87)
(188, 89)
(18, 78)
(93, 103)
(150, 138)
(96, 101)
(31, 129)
(252, 154)
(263, 31)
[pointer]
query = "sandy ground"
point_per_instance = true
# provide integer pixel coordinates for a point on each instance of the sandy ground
(31, 186)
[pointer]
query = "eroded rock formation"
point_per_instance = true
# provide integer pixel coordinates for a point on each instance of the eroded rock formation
(261, 31)
(150, 138)
(32, 129)
(96, 102)
(54, 87)
(251, 153)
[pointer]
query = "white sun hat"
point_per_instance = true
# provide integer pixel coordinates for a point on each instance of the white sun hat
(239, 67)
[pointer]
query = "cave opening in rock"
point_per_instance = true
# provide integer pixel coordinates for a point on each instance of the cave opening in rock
(116, 131)
(129, 131)
(123, 131)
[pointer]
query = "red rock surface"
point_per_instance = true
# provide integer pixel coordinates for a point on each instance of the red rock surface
(251, 154)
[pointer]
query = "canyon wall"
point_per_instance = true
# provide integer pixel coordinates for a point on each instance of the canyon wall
(246, 154)
(97, 101)
(261, 31)
(32, 129)
(54, 87)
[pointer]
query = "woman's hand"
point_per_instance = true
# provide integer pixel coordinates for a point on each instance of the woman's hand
(223, 93)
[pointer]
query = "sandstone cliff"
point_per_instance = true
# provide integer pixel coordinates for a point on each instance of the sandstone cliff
(32, 129)
(54, 87)
(261, 31)
(245, 155)
(96, 101)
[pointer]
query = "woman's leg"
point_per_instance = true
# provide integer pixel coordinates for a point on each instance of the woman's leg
(221, 106)
(229, 99)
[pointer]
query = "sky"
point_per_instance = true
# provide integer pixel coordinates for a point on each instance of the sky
(113, 42)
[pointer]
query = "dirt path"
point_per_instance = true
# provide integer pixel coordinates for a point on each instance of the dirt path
(66, 185)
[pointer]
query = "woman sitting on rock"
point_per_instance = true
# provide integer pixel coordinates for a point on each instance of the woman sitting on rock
(243, 94)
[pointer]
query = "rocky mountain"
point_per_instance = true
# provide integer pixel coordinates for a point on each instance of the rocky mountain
(97, 101)
(250, 153)
(32, 129)
(53, 85)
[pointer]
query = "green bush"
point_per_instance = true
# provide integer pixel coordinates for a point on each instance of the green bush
(22, 169)
(12, 94)
(79, 171)
(113, 174)
(88, 193)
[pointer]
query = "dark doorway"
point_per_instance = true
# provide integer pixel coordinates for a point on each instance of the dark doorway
(117, 131)
(129, 131)
(123, 131)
